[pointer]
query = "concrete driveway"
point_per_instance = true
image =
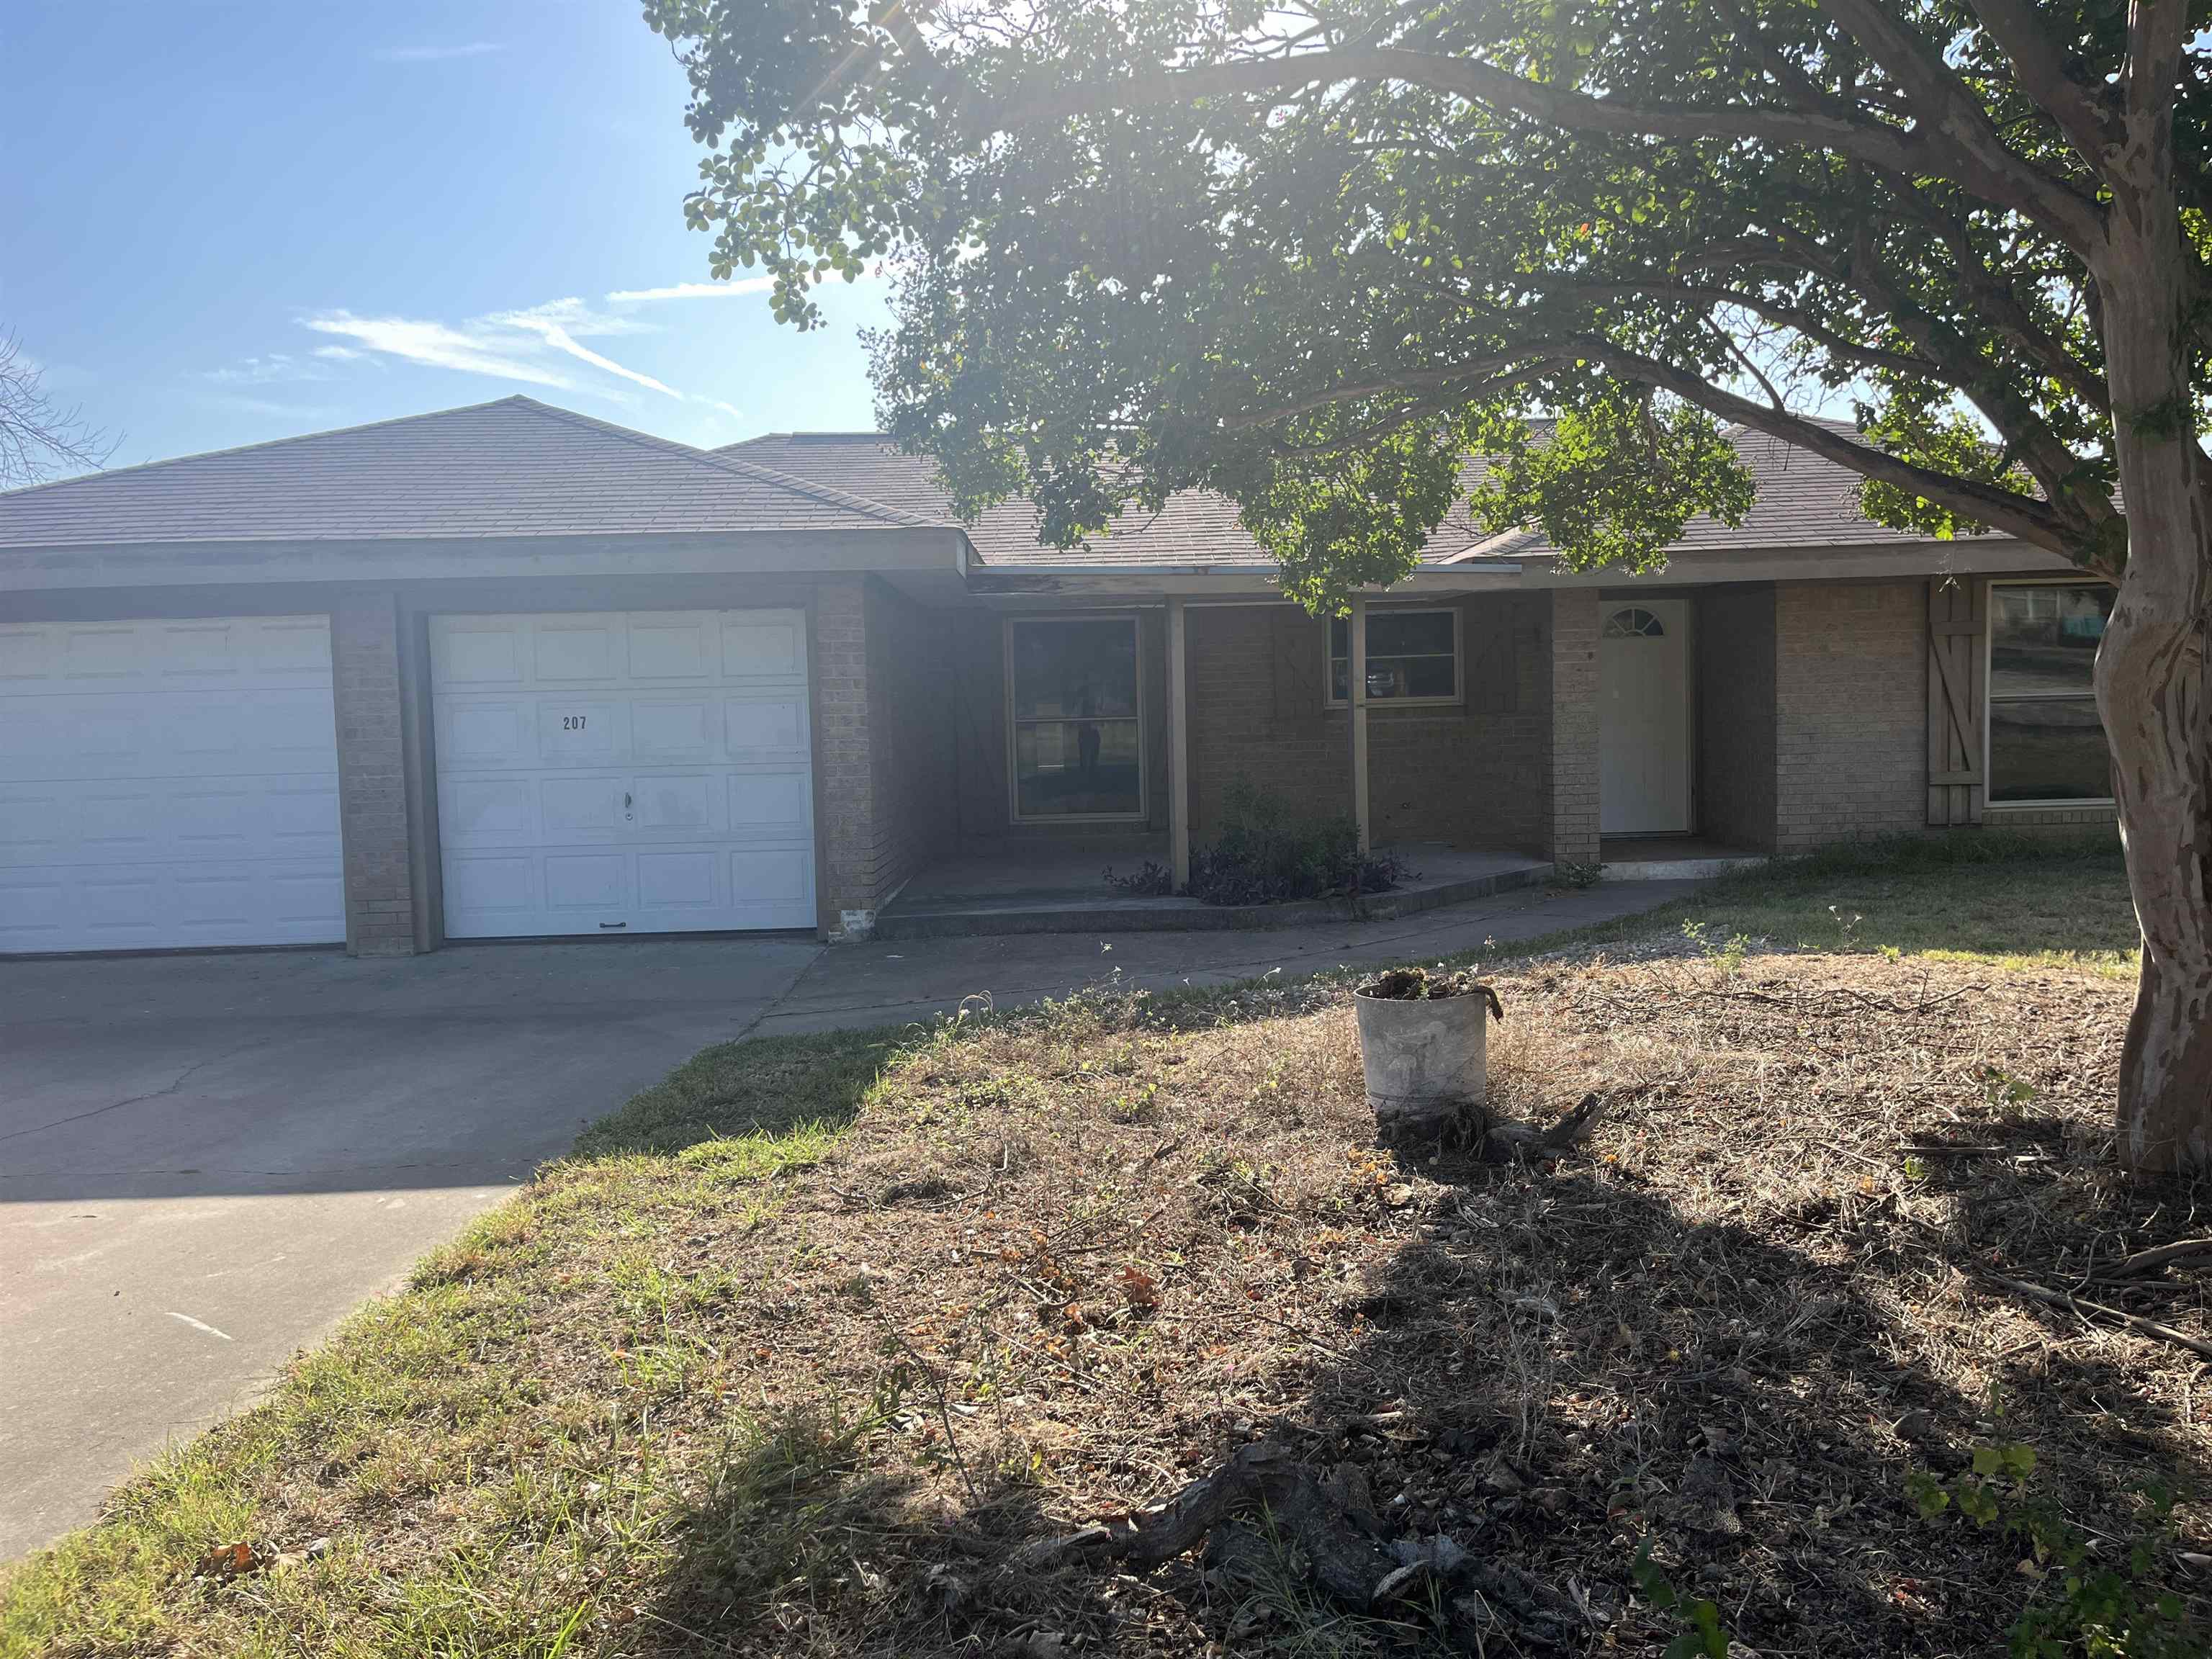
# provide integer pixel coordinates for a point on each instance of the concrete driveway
(205, 1160)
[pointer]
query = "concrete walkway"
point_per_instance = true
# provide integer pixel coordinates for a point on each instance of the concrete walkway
(206, 1160)
(879, 983)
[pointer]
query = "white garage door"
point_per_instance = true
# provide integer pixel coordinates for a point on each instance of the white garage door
(168, 783)
(639, 773)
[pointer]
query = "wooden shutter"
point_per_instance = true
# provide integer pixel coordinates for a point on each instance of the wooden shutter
(1957, 611)
(1299, 643)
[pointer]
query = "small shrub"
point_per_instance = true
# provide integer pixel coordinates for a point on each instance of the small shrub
(1267, 854)
(2110, 1609)
(1568, 873)
(1151, 879)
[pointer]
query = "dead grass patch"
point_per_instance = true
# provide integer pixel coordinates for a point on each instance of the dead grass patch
(806, 1390)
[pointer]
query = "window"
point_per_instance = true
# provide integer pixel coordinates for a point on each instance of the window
(1074, 717)
(2046, 742)
(1634, 623)
(1412, 656)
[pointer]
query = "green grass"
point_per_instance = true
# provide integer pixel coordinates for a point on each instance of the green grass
(459, 1406)
(2008, 901)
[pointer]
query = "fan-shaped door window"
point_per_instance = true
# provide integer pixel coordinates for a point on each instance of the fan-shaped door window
(1633, 622)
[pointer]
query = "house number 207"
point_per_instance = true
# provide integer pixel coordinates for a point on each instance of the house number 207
(572, 722)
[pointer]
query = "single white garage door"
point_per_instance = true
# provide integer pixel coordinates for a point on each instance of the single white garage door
(640, 772)
(168, 784)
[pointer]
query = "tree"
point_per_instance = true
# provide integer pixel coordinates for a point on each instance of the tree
(38, 437)
(1308, 252)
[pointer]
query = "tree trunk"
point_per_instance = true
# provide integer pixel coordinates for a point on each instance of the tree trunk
(2152, 682)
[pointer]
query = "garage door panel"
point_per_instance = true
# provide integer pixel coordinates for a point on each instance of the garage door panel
(657, 747)
(113, 652)
(686, 806)
(492, 812)
(773, 804)
(664, 647)
(757, 648)
(576, 650)
(598, 882)
(765, 726)
(579, 732)
(773, 877)
(580, 809)
(484, 886)
(674, 733)
(168, 782)
(477, 651)
(27, 654)
(486, 733)
(680, 881)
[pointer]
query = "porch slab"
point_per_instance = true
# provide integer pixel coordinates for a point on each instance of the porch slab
(1064, 891)
(1671, 858)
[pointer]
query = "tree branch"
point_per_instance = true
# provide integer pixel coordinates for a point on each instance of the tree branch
(1509, 368)
(2018, 28)
(1958, 121)
(1965, 150)
(2021, 516)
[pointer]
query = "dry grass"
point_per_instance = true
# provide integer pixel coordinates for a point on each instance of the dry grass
(802, 1392)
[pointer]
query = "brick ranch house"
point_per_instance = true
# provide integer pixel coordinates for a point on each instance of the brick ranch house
(507, 670)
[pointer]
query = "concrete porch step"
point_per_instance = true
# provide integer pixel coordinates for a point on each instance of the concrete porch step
(1463, 877)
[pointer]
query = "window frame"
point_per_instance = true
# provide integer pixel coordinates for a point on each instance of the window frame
(1014, 722)
(1989, 698)
(1329, 659)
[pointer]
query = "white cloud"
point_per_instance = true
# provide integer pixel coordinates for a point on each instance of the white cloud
(510, 346)
(473, 350)
(277, 366)
(556, 336)
(692, 290)
(436, 54)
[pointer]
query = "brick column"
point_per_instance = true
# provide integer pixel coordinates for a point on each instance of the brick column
(1572, 749)
(379, 900)
(845, 784)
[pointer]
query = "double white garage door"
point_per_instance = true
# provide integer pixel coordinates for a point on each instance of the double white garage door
(175, 783)
(168, 783)
(646, 772)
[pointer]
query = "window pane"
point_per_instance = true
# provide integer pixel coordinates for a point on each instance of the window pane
(1409, 676)
(2052, 750)
(1075, 668)
(1421, 632)
(1076, 768)
(1408, 655)
(2042, 640)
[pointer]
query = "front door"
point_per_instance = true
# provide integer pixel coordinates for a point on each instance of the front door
(1643, 722)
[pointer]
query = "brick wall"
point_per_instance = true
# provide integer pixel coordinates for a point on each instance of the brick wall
(884, 746)
(1257, 718)
(845, 777)
(915, 813)
(1734, 645)
(1852, 711)
(1478, 774)
(1570, 741)
(379, 901)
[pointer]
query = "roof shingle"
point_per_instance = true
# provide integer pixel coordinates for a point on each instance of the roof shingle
(516, 467)
(1802, 501)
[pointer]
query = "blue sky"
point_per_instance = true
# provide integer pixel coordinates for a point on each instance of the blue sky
(226, 222)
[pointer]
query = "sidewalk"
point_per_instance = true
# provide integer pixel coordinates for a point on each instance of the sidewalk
(885, 983)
